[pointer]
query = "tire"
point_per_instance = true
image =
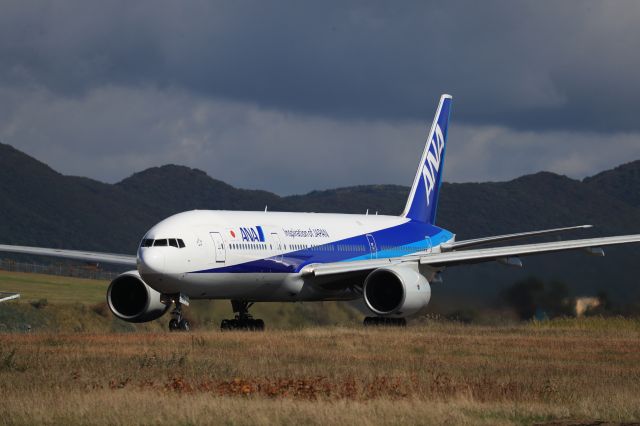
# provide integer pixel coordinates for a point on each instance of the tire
(259, 325)
(184, 325)
(174, 325)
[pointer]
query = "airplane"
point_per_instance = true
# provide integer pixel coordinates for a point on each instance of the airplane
(389, 262)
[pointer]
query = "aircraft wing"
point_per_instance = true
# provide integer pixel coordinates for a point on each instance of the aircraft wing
(467, 256)
(5, 297)
(87, 256)
(458, 245)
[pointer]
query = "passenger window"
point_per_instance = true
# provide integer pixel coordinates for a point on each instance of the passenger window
(160, 243)
(173, 242)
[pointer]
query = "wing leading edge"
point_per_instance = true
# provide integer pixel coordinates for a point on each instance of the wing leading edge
(459, 245)
(467, 256)
(87, 256)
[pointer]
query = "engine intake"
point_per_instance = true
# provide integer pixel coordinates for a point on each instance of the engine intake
(132, 300)
(396, 291)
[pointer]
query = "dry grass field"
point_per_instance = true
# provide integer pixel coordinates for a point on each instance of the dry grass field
(560, 372)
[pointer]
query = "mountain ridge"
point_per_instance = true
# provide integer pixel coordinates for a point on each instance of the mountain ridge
(42, 207)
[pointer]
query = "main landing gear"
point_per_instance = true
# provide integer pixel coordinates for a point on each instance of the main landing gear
(243, 319)
(177, 322)
(384, 321)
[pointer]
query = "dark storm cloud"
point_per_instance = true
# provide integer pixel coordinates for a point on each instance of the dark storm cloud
(295, 96)
(526, 65)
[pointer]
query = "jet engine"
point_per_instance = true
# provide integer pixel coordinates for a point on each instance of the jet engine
(132, 300)
(396, 291)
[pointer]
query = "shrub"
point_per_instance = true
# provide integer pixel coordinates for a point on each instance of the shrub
(101, 309)
(40, 303)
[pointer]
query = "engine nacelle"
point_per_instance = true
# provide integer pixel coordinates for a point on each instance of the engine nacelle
(131, 299)
(396, 291)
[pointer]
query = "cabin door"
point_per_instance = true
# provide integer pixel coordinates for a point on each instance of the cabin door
(373, 248)
(220, 254)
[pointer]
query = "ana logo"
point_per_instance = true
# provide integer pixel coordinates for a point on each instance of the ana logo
(432, 162)
(252, 234)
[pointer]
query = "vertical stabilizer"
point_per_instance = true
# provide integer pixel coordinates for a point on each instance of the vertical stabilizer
(423, 198)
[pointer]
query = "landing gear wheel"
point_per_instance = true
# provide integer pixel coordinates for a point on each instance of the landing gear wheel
(384, 322)
(224, 326)
(177, 322)
(174, 325)
(184, 325)
(243, 320)
(259, 325)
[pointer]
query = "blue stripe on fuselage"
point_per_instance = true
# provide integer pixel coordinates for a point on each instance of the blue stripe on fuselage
(401, 240)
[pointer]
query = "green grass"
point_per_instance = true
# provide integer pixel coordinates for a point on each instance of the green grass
(74, 304)
(55, 289)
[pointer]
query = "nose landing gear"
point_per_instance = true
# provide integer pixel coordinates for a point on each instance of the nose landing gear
(177, 322)
(243, 319)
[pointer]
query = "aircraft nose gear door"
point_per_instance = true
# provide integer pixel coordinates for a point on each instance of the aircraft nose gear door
(372, 246)
(218, 244)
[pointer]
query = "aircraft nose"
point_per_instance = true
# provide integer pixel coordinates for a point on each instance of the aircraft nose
(152, 261)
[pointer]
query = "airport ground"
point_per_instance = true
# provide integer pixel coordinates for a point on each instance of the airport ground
(563, 372)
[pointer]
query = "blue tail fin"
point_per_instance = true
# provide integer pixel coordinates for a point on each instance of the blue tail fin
(423, 198)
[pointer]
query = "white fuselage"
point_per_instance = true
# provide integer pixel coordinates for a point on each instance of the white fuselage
(258, 255)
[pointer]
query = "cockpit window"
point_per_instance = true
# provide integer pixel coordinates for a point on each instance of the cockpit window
(173, 242)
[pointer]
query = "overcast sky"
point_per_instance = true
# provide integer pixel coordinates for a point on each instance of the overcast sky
(295, 96)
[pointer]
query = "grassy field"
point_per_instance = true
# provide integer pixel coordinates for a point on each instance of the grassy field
(439, 373)
(62, 304)
(53, 288)
(80, 366)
